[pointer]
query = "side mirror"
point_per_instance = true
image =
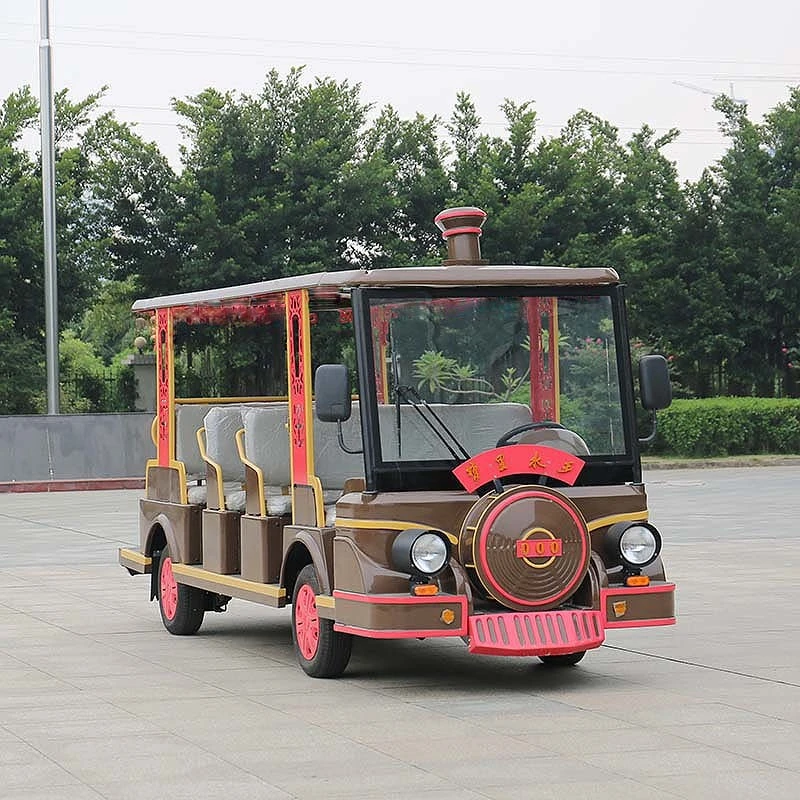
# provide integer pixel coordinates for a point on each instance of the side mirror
(654, 385)
(332, 390)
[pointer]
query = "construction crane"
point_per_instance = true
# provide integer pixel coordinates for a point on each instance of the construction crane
(738, 100)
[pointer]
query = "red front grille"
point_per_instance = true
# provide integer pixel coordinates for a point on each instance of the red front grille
(535, 633)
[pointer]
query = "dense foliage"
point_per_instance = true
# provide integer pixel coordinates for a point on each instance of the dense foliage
(727, 426)
(305, 176)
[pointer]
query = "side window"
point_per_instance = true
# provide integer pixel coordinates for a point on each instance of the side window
(231, 351)
(332, 340)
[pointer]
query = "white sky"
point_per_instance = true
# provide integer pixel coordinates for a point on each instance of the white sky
(619, 59)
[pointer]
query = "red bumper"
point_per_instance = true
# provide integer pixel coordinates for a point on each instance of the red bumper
(535, 633)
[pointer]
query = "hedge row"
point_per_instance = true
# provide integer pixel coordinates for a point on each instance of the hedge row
(726, 426)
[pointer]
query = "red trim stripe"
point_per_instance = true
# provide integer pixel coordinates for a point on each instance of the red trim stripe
(641, 623)
(396, 634)
(465, 229)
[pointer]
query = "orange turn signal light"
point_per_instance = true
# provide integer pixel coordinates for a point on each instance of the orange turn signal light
(637, 580)
(425, 589)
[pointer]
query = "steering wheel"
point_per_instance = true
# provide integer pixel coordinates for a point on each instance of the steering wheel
(530, 426)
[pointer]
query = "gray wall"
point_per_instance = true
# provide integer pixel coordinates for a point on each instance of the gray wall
(75, 446)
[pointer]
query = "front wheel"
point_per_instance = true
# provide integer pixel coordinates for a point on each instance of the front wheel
(182, 607)
(321, 651)
(566, 660)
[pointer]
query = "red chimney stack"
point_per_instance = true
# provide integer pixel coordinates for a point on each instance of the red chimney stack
(461, 228)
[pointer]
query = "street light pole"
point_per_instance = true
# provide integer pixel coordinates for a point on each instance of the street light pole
(49, 209)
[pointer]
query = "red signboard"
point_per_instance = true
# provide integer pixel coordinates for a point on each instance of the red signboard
(519, 459)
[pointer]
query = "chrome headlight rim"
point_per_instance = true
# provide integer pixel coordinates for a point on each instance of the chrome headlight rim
(614, 538)
(407, 551)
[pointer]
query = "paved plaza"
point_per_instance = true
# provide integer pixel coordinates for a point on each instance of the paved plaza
(97, 700)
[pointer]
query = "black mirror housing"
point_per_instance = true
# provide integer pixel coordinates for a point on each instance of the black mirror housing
(332, 391)
(654, 385)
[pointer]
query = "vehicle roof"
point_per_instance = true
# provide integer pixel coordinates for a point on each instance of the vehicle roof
(406, 277)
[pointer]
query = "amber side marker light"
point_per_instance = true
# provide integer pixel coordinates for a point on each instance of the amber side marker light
(637, 580)
(425, 589)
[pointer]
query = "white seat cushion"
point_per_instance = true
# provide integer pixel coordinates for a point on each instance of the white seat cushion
(197, 495)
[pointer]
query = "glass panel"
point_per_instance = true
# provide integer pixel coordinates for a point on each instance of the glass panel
(459, 371)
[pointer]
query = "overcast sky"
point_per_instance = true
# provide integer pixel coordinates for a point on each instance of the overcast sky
(619, 59)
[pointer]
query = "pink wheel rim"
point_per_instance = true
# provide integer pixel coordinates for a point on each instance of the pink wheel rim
(306, 622)
(169, 589)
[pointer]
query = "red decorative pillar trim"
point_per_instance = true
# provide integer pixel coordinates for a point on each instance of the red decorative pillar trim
(542, 316)
(166, 389)
(299, 366)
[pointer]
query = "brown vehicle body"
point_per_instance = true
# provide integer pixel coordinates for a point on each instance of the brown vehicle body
(514, 546)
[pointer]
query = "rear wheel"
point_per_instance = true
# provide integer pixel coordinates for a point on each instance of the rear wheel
(567, 660)
(321, 651)
(182, 607)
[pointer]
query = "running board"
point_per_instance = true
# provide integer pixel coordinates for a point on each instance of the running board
(268, 594)
(134, 561)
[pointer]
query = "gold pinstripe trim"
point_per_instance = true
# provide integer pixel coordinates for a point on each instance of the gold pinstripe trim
(200, 435)
(602, 522)
(556, 361)
(262, 502)
(389, 525)
(267, 589)
(319, 503)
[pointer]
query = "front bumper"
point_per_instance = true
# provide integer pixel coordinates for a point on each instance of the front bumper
(535, 633)
(507, 633)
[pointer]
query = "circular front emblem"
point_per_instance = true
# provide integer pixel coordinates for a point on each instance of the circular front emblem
(529, 546)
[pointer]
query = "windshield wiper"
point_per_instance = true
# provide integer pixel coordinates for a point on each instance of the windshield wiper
(413, 398)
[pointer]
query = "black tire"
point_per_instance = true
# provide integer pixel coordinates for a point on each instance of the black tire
(567, 660)
(187, 615)
(328, 652)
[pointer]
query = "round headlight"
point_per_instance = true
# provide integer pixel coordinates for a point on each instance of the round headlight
(419, 551)
(637, 545)
(428, 553)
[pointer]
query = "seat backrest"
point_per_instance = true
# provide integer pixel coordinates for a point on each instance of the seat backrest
(188, 418)
(332, 465)
(221, 424)
(266, 441)
(477, 426)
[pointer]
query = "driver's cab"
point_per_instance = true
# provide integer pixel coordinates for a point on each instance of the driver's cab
(458, 372)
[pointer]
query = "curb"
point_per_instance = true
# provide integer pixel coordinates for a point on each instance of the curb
(71, 485)
(717, 463)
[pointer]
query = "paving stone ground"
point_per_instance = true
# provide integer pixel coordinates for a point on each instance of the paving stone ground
(98, 701)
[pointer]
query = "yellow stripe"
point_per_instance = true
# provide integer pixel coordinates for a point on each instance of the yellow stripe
(307, 387)
(325, 601)
(135, 556)
(554, 360)
(602, 522)
(267, 589)
(388, 525)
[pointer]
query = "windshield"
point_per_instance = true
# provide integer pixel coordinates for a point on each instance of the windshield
(454, 374)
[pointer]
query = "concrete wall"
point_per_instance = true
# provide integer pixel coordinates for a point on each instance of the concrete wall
(74, 446)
